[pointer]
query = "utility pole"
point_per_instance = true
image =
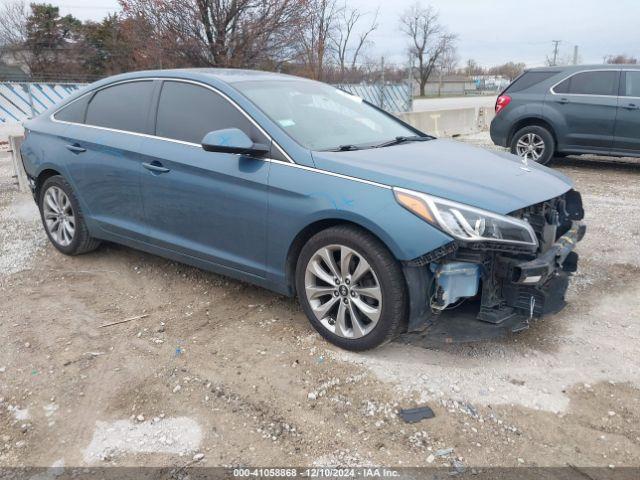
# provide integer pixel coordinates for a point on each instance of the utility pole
(382, 87)
(556, 43)
(575, 54)
(410, 83)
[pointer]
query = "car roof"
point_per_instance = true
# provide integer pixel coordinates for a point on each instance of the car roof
(225, 75)
(579, 68)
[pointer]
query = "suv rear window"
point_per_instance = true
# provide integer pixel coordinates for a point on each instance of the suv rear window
(528, 79)
(590, 83)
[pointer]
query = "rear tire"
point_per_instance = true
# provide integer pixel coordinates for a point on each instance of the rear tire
(358, 302)
(62, 218)
(535, 143)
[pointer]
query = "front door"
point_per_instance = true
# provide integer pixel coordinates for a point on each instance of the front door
(627, 138)
(209, 206)
(587, 103)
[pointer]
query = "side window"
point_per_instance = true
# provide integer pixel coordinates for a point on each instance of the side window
(632, 84)
(74, 112)
(188, 112)
(590, 83)
(563, 87)
(124, 107)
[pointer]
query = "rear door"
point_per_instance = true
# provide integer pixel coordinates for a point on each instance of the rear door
(104, 156)
(587, 103)
(627, 137)
(207, 205)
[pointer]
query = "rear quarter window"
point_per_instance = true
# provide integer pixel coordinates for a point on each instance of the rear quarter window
(528, 80)
(75, 111)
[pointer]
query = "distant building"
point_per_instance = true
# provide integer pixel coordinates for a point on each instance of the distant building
(12, 73)
(493, 83)
(448, 85)
(13, 65)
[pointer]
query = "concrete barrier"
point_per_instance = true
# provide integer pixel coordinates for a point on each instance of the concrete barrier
(449, 123)
(7, 130)
(15, 142)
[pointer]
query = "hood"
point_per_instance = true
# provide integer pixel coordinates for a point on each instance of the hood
(495, 181)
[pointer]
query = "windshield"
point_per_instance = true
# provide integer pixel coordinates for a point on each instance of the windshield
(321, 117)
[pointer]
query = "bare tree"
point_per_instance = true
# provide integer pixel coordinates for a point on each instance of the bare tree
(448, 61)
(429, 40)
(13, 32)
(620, 59)
(226, 33)
(472, 68)
(509, 70)
(314, 38)
(347, 47)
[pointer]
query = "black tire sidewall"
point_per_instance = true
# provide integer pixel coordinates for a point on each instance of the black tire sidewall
(549, 142)
(61, 183)
(387, 271)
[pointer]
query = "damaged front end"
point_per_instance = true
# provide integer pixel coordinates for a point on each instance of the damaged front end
(511, 271)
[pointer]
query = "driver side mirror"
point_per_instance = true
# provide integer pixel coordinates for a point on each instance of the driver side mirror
(232, 140)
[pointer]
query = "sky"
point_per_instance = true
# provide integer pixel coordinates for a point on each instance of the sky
(491, 32)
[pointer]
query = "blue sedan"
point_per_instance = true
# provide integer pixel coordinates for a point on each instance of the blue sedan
(306, 190)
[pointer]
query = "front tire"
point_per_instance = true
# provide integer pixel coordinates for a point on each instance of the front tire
(351, 288)
(534, 143)
(62, 218)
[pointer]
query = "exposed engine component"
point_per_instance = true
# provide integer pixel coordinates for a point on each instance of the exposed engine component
(454, 281)
(514, 284)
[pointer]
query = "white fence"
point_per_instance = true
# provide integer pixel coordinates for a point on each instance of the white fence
(395, 98)
(20, 101)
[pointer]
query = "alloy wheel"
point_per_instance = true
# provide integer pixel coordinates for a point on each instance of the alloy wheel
(530, 146)
(343, 291)
(58, 216)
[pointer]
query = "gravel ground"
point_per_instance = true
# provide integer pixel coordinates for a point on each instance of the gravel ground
(21, 235)
(217, 372)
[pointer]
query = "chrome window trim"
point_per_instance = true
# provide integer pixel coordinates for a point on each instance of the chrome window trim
(332, 174)
(171, 79)
(553, 92)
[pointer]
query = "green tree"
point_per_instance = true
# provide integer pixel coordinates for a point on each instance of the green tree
(51, 41)
(108, 49)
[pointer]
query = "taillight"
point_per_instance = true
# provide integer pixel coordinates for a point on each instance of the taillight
(502, 102)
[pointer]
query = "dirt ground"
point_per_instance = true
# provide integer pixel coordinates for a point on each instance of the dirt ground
(216, 372)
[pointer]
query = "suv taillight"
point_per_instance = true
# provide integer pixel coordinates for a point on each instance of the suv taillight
(502, 102)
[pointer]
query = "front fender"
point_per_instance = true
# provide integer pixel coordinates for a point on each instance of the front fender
(300, 197)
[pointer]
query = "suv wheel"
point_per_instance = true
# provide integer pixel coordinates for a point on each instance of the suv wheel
(351, 288)
(62, 218)
(533, 143)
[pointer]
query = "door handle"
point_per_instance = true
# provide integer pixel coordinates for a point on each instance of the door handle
(562, 101)
(632, 106)
(75, 148)
(155, 167)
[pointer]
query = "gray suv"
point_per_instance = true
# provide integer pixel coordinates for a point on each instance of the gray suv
(570, 110)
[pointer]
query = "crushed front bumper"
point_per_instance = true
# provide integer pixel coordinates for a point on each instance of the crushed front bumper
(541, 268)
(537, 287)
(516, 286)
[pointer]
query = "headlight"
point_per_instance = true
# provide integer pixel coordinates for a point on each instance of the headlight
(464, 222)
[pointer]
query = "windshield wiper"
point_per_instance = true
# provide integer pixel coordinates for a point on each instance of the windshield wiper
(344, 148)
(399, 140)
